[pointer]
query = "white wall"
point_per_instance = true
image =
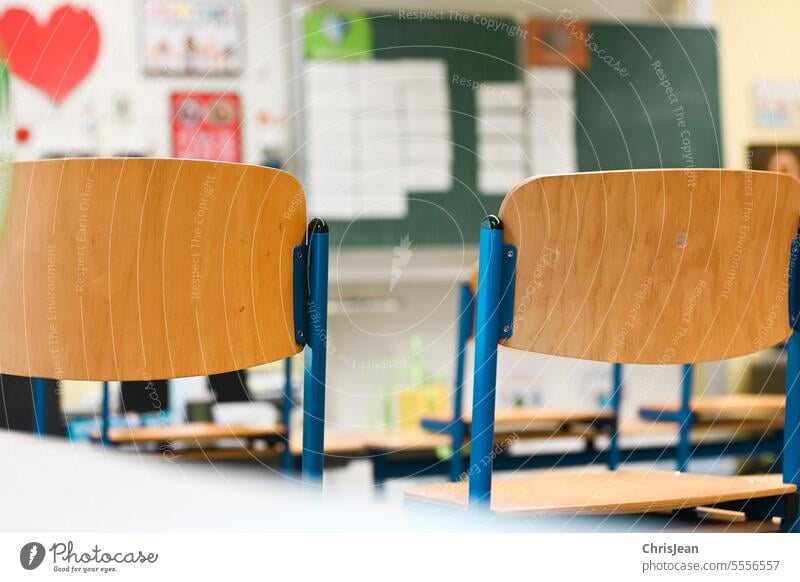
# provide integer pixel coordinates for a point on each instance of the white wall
(89, 120)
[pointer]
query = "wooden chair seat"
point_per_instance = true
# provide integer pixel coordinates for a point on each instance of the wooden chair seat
(193, 432)
(729, 408)
(606, 492)
(406, 441)
(536, 419)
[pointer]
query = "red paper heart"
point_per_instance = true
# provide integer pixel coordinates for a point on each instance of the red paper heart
(56, 56)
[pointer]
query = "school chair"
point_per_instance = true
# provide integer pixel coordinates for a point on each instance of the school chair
(153, 397)
(139, 269)
(523, 422)
(644, 277)
(762, 413)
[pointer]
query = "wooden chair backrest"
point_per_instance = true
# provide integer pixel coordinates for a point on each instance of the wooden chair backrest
(652, 266)
(132, 269)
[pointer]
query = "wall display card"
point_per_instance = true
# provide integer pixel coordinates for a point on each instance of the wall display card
(207, 126)
(198, 37)
(500, 125)
(776, 104)
(425, 82)
(502, 95)
(384, 126)
(555, 80)
(338, 34)
(551, 120)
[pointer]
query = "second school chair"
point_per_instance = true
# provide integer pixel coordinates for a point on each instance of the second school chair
(761, 413)
(139, 269)
(534, 422)
(644, 276)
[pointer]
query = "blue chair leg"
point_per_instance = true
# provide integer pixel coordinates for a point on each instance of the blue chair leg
(791, 431)
(40, 406)
(287, 459)
(105, 415)
(466, 314)
(791, 435)
(614, 453)
(316, 353)
(486, 336)
(684, 449)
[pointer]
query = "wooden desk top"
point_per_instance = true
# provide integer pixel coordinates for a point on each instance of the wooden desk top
(344, 443)
(349, 443)
(406, 440)
(605, 492)
(534, 419)
(190, 432)
(729, 407)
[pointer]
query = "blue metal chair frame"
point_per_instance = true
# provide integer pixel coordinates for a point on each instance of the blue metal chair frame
(495, 297)
(684, 417)
(315, 332)
(40, 406)
(457, 428)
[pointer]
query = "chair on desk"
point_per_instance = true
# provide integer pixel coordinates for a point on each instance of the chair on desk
(140, 269)
(523, 422)
(642, 278)
(761, 413)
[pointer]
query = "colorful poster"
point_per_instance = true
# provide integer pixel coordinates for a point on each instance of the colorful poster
(338, 35)
(202, 37)
(565, 42)
(777, 104)
(207, 126)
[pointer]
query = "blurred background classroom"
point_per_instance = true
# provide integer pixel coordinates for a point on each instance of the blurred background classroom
(406, 121)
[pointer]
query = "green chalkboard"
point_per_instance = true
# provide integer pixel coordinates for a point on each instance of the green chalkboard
(664, 114)
(623, 122)
(473, 51)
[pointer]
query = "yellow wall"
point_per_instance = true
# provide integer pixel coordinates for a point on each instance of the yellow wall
(757, 41)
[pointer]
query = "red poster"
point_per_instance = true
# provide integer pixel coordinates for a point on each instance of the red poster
(207, 126)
